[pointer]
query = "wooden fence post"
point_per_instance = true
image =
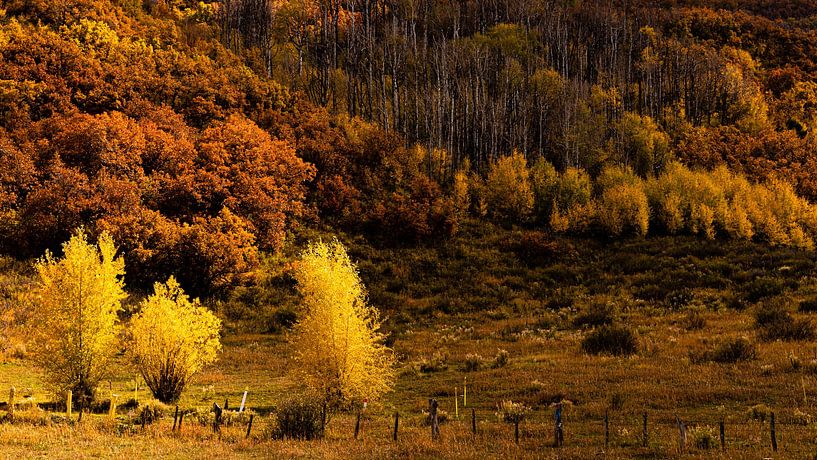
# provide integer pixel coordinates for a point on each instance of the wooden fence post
(456, 404)
(357, 424)
(473, 422)
(774, 435)
(606, 430)
(68, 404)
(249, 426)
(243, 401)
(396, 424)
(682, 434)
(112, 407)
(723, 437)
(175, 419)
(217, 418)
(181, 418)
(558, 434)
(11, 403)
(516, 429)
(435, 423)
(646, 438)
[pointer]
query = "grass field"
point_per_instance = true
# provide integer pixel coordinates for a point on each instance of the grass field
(486, 291)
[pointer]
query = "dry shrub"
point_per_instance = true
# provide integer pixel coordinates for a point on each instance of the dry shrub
(501, 359)
(704, 437)
(473, 362)
(537, 248)
(613, 340)
(729, 351)
(596, 314)
(774, 322)
(298, 418)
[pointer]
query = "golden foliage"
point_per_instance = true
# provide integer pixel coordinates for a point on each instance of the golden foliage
(76, 302)
(339, 351)
(508, 191)
(171, 339)
(705, 203)
(623, 203)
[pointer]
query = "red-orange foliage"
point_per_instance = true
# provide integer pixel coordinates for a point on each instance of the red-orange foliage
(159, 187)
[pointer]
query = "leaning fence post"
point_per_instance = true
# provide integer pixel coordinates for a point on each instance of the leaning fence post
(181, 417)
(357, 424)
(396, 424)
(249, 425)
(606, 430)
(243, 401)
(774, 435)
(646, 438)
(175, 419)
(723, 437)
(682, 434)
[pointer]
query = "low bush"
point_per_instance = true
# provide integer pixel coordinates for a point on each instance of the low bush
(613, 340)
(808, 306)
(763, 288)
(597, 314)
(694, 320)
(435, 363)
(298, 418)
(501, 359)
(152, 411)
(774, 322)
(473, 362)
(790, 331)
(703, 437)
(512, 412)
(759, 412)
(734, 350)
(537, 249)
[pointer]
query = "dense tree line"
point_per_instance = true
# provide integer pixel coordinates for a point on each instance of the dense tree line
(562, 80)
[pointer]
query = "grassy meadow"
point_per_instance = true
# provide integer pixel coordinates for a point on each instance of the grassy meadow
(508, 312)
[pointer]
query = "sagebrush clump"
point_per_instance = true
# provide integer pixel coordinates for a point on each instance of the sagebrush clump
(613, 340)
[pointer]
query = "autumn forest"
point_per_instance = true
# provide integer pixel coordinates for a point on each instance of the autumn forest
(386, 200)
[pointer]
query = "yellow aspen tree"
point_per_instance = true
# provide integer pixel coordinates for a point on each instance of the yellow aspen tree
(171, 339)
(340, 355)
(508, 190)
(77, 300)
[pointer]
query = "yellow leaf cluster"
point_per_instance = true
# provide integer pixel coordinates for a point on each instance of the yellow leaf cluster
(171, 339)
